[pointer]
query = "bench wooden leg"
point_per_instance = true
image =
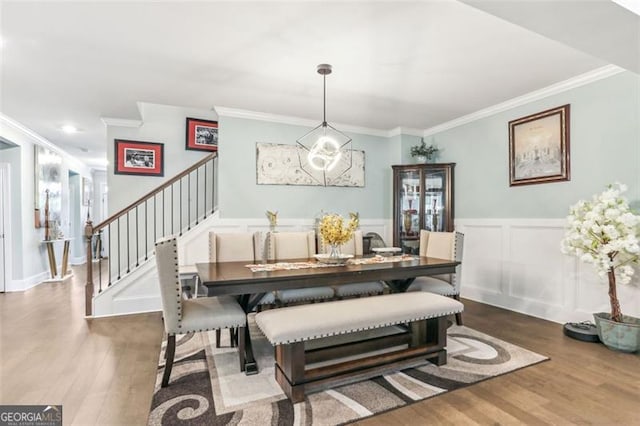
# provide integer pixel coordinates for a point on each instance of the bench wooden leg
(290, 370)
(427, 340)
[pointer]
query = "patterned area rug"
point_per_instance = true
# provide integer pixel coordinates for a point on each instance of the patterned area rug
(207, 387)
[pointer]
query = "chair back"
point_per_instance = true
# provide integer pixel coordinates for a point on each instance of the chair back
(234, 247)
(353, 246)
(170, 287)
(444, 245)
(290, 245)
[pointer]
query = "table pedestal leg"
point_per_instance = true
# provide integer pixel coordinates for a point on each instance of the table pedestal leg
(248, 302)
(65, 259)
(399, 286)
(52, 260)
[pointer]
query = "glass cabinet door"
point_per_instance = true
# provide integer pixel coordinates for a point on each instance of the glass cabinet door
(410, 206)
(435, 203)
(422, 199)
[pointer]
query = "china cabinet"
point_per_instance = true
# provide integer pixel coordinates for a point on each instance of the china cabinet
(422, 199)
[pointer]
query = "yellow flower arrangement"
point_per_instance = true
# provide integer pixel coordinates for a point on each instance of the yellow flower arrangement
(333, 230)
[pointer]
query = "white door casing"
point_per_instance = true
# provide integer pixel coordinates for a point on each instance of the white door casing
(5, 227)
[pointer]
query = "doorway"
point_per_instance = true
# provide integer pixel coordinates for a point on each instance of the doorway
(5, 226)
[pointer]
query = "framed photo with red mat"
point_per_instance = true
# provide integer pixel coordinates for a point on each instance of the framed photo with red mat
(138, 158)
(202, 135)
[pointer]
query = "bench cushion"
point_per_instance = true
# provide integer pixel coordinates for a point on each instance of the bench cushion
(308, 322)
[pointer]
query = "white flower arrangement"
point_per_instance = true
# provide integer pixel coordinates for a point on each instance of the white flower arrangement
(604, 232)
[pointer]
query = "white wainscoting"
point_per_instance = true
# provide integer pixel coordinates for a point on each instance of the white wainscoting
(139, 292)
(517, 264)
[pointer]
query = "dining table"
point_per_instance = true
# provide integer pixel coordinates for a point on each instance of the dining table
(239, 279)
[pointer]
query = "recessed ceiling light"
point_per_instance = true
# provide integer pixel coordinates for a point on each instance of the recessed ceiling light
(68, 128)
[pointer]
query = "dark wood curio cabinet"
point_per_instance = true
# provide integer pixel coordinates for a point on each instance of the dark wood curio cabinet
(422, 199)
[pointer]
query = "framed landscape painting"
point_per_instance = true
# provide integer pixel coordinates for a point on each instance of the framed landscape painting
(539, 147)
(202, 135)
(139, 158)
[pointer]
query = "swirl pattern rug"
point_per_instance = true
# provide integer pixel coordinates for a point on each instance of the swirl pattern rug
(207, 387)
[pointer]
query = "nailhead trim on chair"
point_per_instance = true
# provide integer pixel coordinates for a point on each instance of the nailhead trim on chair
(178, 290)
(454, 277)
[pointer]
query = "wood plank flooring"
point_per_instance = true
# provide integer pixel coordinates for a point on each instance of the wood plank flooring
(103, 370)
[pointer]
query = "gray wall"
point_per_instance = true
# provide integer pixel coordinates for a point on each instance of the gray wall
(161, 124)
(241, 197)
(238, 194)
(604, 145)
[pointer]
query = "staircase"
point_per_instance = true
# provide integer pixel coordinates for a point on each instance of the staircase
(123, 243)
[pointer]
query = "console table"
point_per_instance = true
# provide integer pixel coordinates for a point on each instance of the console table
(53, 266)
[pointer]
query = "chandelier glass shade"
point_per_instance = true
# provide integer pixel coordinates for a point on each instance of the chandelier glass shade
(324, 153)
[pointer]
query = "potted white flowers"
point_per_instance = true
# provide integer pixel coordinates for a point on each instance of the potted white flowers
(604, 232)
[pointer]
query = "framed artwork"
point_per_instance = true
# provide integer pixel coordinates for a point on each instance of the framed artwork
(539, 147)
(87, 191)
(202, 135)
(139, 158)
(48, 187)
(279, 164)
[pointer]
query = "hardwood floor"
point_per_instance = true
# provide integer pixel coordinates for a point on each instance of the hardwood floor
(103, 370)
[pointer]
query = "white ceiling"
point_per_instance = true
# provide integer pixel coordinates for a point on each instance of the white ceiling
(413, 64)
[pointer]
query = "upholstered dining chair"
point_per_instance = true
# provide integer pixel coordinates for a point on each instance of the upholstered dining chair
(443, 245)
(301, 246)
(189, 315)
(236, 247)
(355, 246)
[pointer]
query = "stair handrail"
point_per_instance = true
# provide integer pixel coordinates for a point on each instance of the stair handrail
(90, 229)
(153, 192)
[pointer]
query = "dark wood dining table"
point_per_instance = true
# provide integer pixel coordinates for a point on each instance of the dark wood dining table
(235, 278)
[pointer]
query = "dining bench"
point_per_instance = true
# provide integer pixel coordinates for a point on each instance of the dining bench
(331, 343)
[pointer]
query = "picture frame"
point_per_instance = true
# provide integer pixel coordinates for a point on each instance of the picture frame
(47, 187)
(138, 158)
(201, 135)
(539, 147)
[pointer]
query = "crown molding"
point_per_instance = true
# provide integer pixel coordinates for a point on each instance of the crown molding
(295, 121)
(563, 86)
(22, 129)
(41, 140)
(554, 89)
(397, 131)
(121, 122)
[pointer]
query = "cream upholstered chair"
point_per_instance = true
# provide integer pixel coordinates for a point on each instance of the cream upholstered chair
(189, 315)
(299, 246)
(443, 245)
(354, 246)
(236, 247)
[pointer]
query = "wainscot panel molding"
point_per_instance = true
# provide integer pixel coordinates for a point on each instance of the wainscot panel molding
(516, 264)
(138, 291)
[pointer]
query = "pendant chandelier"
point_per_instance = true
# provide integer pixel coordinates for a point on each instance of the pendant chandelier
(324, 152)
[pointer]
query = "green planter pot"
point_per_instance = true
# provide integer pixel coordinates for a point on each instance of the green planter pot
(620, 336)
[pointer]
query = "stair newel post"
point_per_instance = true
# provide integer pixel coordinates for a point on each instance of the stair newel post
(88, 288)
